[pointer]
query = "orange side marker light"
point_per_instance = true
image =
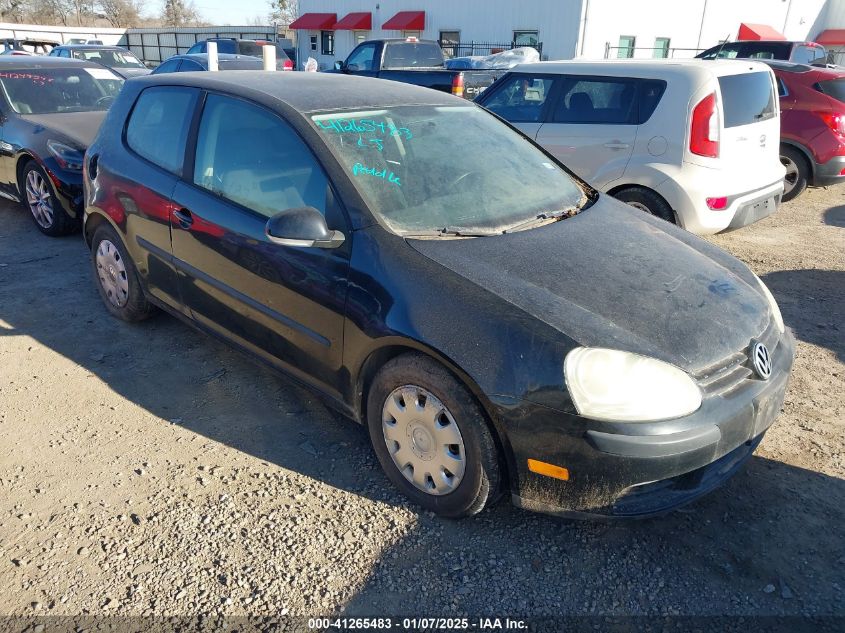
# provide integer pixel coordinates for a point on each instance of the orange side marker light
(549, 470)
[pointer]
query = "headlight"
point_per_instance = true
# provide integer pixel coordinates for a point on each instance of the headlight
(772, 304)
(608, 384)
(67, 157)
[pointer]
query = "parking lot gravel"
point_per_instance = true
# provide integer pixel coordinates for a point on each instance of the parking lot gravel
(147, 469)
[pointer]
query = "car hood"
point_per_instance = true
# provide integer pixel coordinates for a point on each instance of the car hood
(614, 277)
(79, 127)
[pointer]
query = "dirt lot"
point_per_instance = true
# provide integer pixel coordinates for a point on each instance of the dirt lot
(149, 470)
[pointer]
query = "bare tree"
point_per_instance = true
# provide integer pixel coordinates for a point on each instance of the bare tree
(12, 10)
(120, 13)
(179, 13)
(51, 12)
(283, 11)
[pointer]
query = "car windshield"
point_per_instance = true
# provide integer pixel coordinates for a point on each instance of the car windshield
(426, 169)
(112, 59)
(50, 90)
(749, 50)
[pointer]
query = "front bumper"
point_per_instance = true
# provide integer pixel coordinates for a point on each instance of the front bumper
(829, 173)
(642, 470)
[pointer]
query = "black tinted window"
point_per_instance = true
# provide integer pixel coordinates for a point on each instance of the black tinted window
(158, 125)
(597, 100)
(189, 65)
(747, 98)
(753, 50)
(410, 54)
(170, 66)
(250, 156)
(520, 98)
(834, 88)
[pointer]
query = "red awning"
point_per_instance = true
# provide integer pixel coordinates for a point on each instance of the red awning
(406, 21)
(314, 21)
(831, 37)
(758, 32)
(355, 22)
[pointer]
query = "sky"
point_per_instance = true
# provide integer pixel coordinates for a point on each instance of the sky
(234, 12)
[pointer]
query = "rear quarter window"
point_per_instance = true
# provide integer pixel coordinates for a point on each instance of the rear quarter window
(158, 126)
(833, 88)
(747, 98)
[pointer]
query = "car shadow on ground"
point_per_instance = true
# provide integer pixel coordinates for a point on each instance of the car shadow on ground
(812, 304)
(835, 216)
(770, 525)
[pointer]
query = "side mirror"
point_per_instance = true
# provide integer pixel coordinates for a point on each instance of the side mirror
(302, 227)
(339, 65)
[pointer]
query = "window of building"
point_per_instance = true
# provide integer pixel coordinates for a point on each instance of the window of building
(360, 36)
(526, 38)
(626, 46)
(158, 126)
(327, 42)
(449, 41)
(251, 157)
(661, 47)
(313, 42)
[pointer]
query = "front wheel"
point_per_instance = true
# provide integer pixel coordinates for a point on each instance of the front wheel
(39, 197)
(432, 438)
(646, 200)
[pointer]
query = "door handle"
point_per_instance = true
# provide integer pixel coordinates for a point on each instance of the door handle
(617, 145)
(184, 217)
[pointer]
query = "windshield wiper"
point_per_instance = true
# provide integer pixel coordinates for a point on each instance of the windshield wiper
(451, 231)
(543, 217)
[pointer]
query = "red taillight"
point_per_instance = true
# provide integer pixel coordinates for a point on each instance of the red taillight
(288, 65)
(704, 131)
(458, 85)
(834, 121)
(717, 204)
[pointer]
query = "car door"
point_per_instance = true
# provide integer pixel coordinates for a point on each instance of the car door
(156, 136)
(283, 303)
(8, 180)
(592, 126)
(522, 99)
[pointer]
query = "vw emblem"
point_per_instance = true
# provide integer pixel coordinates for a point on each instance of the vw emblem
(762, 361)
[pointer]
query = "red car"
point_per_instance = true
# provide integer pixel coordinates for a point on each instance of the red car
(812, 125)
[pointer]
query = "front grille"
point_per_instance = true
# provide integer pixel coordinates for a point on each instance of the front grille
(732, 373)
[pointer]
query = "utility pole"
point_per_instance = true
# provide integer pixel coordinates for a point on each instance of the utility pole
(701, 26)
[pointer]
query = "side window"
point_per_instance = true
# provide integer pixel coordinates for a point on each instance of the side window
(159, 123)
(189, 65)
(170, 66)
(520, 98)
(650, 91)
(363, 58)
(803, 55)
(250, 156)
(64, 53)
(598, 101)
(199, 47)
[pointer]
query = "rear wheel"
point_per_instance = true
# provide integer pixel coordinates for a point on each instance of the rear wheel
(432, 438)
(797, 172)
(116, 277)
(38, 196)
(646, 200)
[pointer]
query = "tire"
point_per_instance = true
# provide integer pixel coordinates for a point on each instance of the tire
(40, 200)
(475, 472)
(797, 172)
(116, 277)
(646, 200)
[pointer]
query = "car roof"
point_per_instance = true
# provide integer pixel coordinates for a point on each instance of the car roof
(647, 68)
(309, 92)
(43, 61)
(93, 47)
(788, 67)
(220, 56)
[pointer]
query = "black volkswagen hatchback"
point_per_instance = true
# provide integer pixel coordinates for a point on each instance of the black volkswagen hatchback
(496, 323)
(50, 109)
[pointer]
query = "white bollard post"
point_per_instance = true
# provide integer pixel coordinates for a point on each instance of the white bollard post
(212, 57)
(269, 51)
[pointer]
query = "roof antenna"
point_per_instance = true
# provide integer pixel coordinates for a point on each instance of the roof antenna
(722, 45)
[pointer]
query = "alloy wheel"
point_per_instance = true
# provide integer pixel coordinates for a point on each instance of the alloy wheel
(791, 176)
(423, 440)
(112, 274)
(39, 200)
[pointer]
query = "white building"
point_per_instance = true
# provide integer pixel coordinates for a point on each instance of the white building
(329, 29)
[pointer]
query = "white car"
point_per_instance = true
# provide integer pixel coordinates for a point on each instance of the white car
(692, 141)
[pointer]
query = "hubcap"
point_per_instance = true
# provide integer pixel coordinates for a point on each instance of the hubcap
(791, 176)
(112, 274)
(423, 440)
(38, 199)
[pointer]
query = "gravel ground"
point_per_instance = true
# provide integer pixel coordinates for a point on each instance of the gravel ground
(150, 470)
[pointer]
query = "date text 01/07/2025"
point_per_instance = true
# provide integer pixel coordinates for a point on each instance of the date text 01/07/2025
(389, 176)
(418, 623)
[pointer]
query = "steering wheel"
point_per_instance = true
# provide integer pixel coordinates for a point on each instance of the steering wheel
(107, 100)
